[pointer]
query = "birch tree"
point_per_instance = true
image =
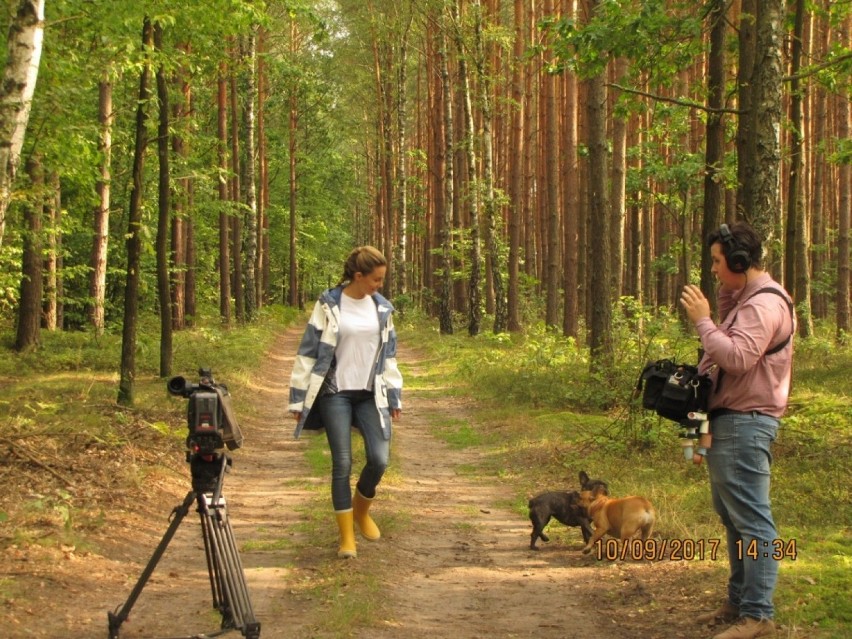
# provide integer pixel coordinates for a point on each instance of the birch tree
(23, 45)
(248, 47)
(760, 157)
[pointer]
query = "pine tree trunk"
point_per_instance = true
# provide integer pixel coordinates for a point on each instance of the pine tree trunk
(474, 294)
(484, 82)
(844, 206)
(236, 223)
(50, 316)
(550, 163)
(516, 170)
(385, 219)
(636, 251)
(747, 42)
(190, 280)
(819, 109)
(224, 199)
(262, 261)
(100, 240)
(293, 282)
(714, 151)
(446, 231)
(600, 337)
(797, 275)
(29, 308)
(134, 237)
(618, 185)
(180, 203)
(431, 113)
(571, 209)
(165, 212)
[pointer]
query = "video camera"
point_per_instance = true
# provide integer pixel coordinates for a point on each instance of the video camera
(210, 416)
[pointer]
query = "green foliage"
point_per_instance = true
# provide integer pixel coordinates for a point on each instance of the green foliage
(86, 43)
(543, 418)
(654, 35)
(543, 369)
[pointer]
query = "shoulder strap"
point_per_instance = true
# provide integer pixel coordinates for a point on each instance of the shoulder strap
(778, 347)
(771, 289)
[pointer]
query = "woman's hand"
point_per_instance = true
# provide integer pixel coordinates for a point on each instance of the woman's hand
(395, 413)
(297, 415)
(693, 301)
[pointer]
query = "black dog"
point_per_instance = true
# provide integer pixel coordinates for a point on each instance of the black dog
(564, 507)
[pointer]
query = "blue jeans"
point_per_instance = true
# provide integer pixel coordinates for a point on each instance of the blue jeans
(739, 462)
(339, 412)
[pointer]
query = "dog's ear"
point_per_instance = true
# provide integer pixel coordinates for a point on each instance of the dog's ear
(584, 478)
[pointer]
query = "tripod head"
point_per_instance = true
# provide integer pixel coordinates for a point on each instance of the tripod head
(210, 416)
(208, 471)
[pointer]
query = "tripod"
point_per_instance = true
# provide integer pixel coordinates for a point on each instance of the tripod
(227, 579)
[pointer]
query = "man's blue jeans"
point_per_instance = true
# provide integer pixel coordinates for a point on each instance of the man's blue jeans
(340, 412)
(739, 462)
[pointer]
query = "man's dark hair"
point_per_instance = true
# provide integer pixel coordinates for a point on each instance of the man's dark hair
(745, 239)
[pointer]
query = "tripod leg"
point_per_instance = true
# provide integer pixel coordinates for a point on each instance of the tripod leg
(227, 577)
(212, 567)
(116, 619)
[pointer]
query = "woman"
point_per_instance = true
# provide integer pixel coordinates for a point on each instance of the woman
(345, 375)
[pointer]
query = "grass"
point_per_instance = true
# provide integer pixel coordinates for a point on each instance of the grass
(458, 433)
(543, 417)
(58, 402)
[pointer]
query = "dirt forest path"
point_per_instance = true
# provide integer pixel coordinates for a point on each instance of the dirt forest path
(459, 567)
(451, 563)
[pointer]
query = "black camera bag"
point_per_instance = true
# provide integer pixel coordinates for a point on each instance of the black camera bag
(673, 390)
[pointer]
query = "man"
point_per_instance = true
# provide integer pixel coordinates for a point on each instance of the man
(749, 354)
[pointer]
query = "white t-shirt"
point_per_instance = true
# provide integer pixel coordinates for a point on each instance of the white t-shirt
(357, 343)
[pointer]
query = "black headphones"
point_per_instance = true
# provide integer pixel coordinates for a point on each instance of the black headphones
(738, 258)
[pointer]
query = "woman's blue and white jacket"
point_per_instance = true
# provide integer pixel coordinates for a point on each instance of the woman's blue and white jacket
(316, 354)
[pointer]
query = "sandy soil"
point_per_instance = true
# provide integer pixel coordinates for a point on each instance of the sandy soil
(457, 566)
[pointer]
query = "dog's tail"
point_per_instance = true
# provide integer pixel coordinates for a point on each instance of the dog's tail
(649, 518)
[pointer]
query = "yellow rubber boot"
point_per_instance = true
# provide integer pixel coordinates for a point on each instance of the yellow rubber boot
(361, 508)
(347, 548)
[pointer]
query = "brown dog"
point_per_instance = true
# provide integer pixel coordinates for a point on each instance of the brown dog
(563, 506)
(621, 518)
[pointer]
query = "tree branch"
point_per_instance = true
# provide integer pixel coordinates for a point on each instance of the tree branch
(685, 103)
(809, 71)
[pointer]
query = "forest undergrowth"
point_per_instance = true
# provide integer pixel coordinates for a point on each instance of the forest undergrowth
(571, 417)
(67, 446)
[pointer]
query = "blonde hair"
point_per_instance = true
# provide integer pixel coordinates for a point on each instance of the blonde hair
(364, 260)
